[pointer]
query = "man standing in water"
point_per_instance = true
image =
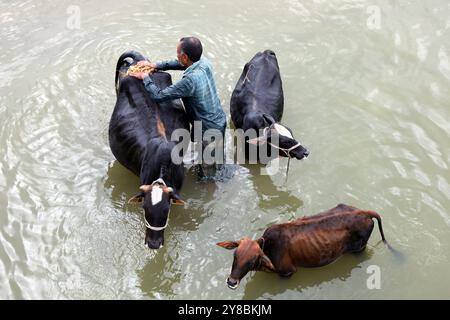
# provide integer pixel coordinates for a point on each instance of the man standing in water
(197, 89)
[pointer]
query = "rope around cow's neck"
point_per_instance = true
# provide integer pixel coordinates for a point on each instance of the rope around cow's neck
(285, 150)
(148, 225)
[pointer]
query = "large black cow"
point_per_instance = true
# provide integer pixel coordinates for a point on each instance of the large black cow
(257, 103)
(139, 137)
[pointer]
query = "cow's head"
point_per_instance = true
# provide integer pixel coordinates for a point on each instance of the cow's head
(249, 256)
(265, 62)
(156, 200)
(280, 137)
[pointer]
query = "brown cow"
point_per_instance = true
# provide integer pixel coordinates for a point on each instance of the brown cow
(312, 241)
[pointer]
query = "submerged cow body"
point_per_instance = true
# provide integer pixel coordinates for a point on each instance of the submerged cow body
(139, 137)
(257, 103)
(311, 241)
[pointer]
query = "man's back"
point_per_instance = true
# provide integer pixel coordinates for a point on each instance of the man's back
(204, 103)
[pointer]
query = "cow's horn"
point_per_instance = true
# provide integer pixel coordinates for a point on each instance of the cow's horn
(146, 188)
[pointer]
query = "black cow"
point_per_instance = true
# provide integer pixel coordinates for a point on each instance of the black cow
(139, 137)
(257, 103)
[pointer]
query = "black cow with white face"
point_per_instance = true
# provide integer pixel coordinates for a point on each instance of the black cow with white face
(257, 103)
(140, 138)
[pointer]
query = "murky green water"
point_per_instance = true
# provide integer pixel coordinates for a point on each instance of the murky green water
(367, 93)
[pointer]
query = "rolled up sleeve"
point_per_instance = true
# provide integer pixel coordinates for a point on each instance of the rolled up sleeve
(170, 65)
(183, 88)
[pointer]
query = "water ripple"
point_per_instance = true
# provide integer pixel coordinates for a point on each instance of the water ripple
(371, 105)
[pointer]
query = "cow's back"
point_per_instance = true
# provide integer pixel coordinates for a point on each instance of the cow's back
(129, 127)
(135, 118)
(259, 89)
(319, 239)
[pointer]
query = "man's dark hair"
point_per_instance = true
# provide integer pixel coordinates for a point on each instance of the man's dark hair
(192, 47)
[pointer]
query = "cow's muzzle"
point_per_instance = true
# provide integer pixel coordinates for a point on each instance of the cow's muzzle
(232, 283)
(155, 244)
(300, 154)
(305, 153)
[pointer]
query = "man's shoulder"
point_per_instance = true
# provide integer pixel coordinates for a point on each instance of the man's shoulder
(201, 73)
(199, 70)
(206, 62)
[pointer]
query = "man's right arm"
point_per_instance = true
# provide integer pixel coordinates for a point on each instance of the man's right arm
(170, 65)
(183, 88)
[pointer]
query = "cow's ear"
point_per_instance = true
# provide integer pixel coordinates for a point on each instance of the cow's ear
(178, 202)
(257, 141)
(175, 199)
(137, 199)
(266, 264)
(146, 187)
(228, 244)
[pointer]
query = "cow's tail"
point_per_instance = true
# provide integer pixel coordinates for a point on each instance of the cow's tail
(127, 59)
(373, 214)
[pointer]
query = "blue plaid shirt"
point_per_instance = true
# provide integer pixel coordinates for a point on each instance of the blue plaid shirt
(197, 89)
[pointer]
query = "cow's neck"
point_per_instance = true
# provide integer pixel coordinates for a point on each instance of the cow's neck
(165, 176)
(157, 163)
(172, 174)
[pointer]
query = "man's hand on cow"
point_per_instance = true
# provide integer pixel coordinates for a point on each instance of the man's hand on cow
(139, 75)
(144, 63)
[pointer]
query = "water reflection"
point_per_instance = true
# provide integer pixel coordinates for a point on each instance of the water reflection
(155, 279)
(270, 195)
(372, 103)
